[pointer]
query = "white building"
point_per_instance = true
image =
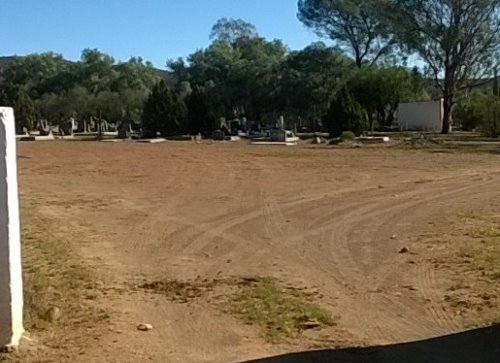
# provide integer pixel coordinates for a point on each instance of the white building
(421, 116)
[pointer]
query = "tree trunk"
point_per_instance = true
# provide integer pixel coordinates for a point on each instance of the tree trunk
(370, 121)
(448, 100)
(447, 108)
(496, 85)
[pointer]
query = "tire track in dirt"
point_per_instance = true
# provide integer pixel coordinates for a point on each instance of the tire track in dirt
(319, 215)
(351, 272)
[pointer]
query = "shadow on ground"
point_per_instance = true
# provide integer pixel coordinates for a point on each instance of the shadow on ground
(475, 346)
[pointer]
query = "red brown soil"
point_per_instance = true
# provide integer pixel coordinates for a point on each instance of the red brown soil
(332, 220)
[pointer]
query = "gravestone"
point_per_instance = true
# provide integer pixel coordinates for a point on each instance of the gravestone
(44, 127)
(124, 129)
(11, 285)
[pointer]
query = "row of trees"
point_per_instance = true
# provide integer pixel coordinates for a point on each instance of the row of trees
(458, 40)
(244, 75)
(241, 74)
(51, 87)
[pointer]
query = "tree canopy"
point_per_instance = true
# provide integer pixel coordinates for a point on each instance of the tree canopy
(233, 31)
(60, 88)
(241, 75)
(163, 112)
(457, 39)
(355, 26)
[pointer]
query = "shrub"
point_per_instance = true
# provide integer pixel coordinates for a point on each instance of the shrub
(490, 123)
(468, 112)
(24, 108)
(479, 111)
(164, 112)
(347, 136)
(345, 114)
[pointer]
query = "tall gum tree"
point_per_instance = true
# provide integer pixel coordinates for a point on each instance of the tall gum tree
(457, 39)
(353, 25)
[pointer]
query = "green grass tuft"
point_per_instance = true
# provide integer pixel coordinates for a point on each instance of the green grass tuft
(262, 301)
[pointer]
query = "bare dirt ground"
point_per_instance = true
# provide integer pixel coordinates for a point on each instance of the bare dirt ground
(332, 221)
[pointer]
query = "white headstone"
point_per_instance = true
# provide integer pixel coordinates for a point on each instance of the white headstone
(11, 284)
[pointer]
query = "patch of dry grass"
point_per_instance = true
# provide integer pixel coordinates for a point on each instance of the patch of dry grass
(180, 291)
(59, 292)
(280, 312)
(55, 277)
(471, 250)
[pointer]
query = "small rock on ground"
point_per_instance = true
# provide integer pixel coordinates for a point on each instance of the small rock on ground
(144, 327)
(53, 314)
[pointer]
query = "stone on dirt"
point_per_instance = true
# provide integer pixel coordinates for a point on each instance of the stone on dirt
(53, 314)
(144, 327)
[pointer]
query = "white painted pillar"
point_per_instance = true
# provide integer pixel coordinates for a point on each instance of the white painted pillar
(11, 284)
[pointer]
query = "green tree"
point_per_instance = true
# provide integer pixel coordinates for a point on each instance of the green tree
(164, 112)
(345, 114)
(469, 109)
(479, 110)
(201, 117)
(353, 25)
(96, 71)
(240, 79)
(490, 123)
(309, 78)
(380, 90)
(24, 108)
(458, 40)
(135, 74)
(39, 73)
(233, 31)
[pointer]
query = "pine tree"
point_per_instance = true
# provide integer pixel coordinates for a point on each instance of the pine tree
(24, 108)
(201, 116)
(164, 112)
(345, 114)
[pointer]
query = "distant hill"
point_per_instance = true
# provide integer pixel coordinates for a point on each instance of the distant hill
(163, 74)
(4, 61)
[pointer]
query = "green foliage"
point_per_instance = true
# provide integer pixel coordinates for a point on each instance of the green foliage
(347, 136)
(243, 75)
(458, 40)
(39, 73)
(481, 111)
(309, 77)
(469, 110)
(354, 25)
(96, 71)
(134, 75)
(240, 79)
(233, 31)
(345, 114)
(164, 112)
(490, 124)
(201, 117)
(262, 301)
(62, 89)
(380, 90)
(24, 108)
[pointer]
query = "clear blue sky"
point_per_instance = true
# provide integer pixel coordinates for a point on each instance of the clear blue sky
(153, 29)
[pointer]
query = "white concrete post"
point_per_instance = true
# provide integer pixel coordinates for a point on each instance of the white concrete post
(11, 284)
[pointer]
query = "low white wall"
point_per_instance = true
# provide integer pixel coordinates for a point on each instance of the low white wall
(421, 116)
(11, 284)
